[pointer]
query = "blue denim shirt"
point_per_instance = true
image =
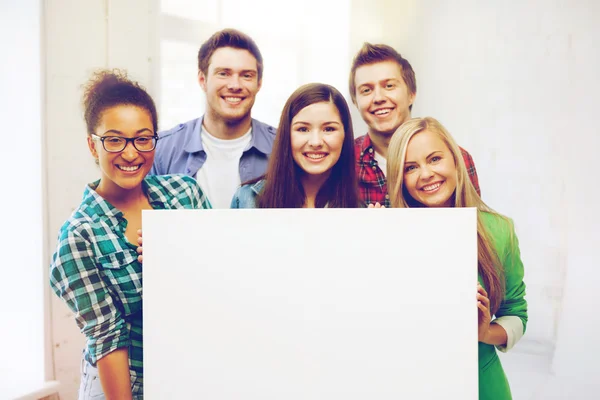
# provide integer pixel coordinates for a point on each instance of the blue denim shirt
(179, 150)
(245, 196)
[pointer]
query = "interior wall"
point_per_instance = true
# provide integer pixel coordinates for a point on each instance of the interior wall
(22, 326)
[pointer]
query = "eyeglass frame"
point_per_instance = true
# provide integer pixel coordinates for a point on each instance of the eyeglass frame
(127, 141)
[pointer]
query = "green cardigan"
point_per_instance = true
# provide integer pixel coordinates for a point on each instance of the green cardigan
(493, 384)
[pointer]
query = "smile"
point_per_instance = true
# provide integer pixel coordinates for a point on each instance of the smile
(382, 112)
(233, 100)
(432, 188)
(315, 156)
(132, 168)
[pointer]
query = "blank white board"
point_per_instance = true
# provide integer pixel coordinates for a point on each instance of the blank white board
(310, 304)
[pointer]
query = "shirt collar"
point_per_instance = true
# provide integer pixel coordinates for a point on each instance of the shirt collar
(97, 205)
(100, 207)
(258, 186)
(366, 148)
(259, 138)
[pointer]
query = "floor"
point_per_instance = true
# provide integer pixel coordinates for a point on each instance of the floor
(529, 373)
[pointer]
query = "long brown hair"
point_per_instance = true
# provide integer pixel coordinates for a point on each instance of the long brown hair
(283, 188)
(465, 195)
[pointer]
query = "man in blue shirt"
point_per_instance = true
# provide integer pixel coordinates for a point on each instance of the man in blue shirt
(225, 147)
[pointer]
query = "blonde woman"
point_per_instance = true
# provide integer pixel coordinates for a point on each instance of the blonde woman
(425, 169)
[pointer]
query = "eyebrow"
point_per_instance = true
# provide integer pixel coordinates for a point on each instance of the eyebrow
(432, 153)
(308, 123)
(379, 81)
(244, 71)
(121, 133)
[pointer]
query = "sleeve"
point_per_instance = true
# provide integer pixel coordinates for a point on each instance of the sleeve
(75, 278)
(512, 314)
(199, 199)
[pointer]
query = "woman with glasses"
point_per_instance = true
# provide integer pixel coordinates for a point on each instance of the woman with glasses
(95, 268)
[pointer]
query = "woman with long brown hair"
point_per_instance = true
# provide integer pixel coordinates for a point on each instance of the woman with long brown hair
(425, 169)
(312, 162)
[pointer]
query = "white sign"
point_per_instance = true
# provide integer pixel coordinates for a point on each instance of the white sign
(310, 304)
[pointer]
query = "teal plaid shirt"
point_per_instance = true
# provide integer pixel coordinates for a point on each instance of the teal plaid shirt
(96, 272)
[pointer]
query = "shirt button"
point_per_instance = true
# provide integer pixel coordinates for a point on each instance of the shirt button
(371, 150)
(374, 168)
(387, 196)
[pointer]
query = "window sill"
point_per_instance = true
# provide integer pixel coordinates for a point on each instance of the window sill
(45, 390)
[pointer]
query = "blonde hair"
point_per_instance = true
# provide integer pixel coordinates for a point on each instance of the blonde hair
(465, 195)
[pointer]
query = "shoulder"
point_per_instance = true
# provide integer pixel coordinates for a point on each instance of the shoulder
(500, 229)
(361, 144)
(265, 129)
(245, 195)
(179, 131)
(466, 155)
(174, 185)
(360, 141)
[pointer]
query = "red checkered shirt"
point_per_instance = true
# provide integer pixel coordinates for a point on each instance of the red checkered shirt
(371, 180)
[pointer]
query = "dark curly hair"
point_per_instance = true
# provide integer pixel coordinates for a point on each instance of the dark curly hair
(110, 88)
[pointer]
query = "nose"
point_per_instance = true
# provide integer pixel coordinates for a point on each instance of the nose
(129, 153)
(378, 97)
(426, 172)
(234, 83)
(315, 139)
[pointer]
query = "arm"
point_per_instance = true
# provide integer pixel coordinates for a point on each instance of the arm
(114, 375)
(74, 276)
(512, 314)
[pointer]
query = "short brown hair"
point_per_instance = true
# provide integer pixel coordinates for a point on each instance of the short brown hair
(375, 53)
(228, 38)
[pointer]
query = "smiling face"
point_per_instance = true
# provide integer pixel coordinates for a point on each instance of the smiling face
(126, 169)
(429, 170)
(317, 137)
(231, 84)
(382, 96)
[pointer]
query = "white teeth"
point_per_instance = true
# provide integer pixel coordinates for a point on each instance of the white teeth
(128, 169)
(382, 112)
(233, 99)
(431, 187)
(315, 156)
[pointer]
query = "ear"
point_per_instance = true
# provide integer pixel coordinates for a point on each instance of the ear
(92, 147)
(412, 97)
(202, 80)
(259, 84)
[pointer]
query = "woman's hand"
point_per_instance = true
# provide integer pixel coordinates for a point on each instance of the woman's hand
(377, 205)
(139, 249)
(483, 305)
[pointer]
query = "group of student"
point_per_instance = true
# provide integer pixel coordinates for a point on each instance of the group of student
(226, 159)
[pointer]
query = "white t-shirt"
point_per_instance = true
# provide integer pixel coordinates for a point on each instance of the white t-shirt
(382, 163)
(219, 176)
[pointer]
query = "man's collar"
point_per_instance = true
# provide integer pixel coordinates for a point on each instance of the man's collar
(259, 140)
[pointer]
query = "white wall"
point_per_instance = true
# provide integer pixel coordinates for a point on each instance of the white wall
(497, 76)
(22, 326)
(516, 84)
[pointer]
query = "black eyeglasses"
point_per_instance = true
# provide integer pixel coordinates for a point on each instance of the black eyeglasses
(116, 144)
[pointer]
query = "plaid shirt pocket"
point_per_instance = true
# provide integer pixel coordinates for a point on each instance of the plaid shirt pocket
(124, 275)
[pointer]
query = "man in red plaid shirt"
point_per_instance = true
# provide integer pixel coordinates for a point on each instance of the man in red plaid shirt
(383, 88)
